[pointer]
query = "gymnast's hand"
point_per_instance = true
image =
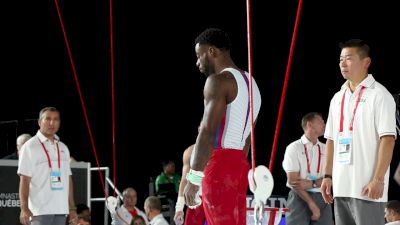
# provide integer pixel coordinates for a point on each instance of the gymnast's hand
(191, 193)
(179, 217)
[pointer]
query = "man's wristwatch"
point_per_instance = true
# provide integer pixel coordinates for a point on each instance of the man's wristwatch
(314, 184)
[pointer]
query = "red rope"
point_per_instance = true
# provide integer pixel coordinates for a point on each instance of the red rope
(250, 58)
(288, 67)
(80, 93)
(113, 98)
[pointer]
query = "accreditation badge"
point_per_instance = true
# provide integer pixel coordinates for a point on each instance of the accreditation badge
(345, 149)
(55, 180)
(312, 178)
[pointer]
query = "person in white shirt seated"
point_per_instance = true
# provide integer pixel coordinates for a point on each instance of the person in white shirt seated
(392, 212)
(152, 207)
(123, 215)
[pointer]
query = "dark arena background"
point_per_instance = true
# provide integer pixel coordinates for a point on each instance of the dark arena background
(157, 86)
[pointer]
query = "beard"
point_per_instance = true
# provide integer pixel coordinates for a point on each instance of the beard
(208, 67)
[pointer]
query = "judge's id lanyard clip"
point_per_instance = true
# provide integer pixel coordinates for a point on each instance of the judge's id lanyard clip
(55, 176)
(346, 139)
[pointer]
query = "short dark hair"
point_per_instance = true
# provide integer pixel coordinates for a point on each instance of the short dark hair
(362, 47)
(51, 109)
(166, 162)
(393, 205)
(215, 37)
(309, 117)
(153, 202)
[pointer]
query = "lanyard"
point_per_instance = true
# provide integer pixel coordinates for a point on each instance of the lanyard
(308, 159)
(48, 157)
(354, 110)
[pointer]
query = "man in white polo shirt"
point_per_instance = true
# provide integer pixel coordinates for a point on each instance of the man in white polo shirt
(360, 132)
(124, 215)
(152, 207)
(304, 164)
(45, 189)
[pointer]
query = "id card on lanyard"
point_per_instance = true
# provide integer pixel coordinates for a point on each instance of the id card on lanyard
(345, 147)
(55, 176)
(310, 176)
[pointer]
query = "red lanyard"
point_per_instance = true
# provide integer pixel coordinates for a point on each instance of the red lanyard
(354, 110)
(48, 156)
(308, 159)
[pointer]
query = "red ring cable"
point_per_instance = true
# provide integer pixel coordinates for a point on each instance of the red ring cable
(285, 84)
(250, 58)
(113, 98)
(80, 94)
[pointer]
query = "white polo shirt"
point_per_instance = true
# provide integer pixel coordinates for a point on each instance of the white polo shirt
(159, 220)
(33, 163)
(122, 216)
(295, 159)
(374, 118)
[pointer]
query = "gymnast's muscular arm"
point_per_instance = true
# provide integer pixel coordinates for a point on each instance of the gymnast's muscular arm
(185, 168)
(219, 90)
(216, 97)
(179, 206)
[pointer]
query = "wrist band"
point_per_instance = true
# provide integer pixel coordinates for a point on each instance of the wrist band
(328, 176)
(180, 204)
(195, 177)
(197, 173)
